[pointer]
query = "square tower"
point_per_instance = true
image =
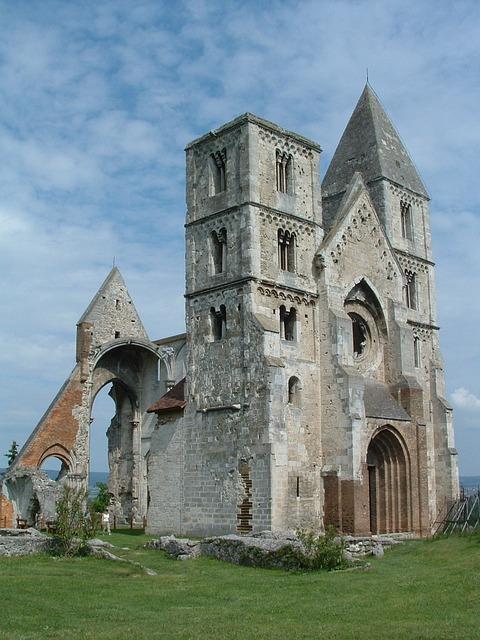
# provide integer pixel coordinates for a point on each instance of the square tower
(253, 226)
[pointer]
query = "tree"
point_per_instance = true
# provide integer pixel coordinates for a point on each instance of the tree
(74, 525)
(12, 453)
(101, 501)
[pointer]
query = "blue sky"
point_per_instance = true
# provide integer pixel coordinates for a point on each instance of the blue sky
(97, 102)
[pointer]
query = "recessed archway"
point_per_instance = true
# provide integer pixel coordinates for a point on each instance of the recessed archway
(389, 483)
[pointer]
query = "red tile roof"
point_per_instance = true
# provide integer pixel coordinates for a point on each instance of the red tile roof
(173, 400)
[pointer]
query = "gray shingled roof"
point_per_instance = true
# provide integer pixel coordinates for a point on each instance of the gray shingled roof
(371, 145)
(379, 403)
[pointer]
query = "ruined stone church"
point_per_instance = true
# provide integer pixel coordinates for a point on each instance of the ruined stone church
(308, 388)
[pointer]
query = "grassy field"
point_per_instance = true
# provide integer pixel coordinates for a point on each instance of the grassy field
(418, 590)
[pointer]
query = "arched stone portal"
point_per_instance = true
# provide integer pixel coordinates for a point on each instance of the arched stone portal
(124, 369)
(389, 483)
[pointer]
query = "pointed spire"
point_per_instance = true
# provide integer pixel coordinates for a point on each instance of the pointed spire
(371, 145)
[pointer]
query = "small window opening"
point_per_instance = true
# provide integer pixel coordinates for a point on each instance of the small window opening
(218, 320)
(117, 334)
(283, 172)
(416, 352)
(360, 334)
(218, 163)
(286, 250)
(406, 220)
(410, 289)
(117, 303)
(294, 390)
(298, 486)
(287, 323)
(219, 250)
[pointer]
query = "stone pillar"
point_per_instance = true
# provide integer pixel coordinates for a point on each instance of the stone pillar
(136, 470)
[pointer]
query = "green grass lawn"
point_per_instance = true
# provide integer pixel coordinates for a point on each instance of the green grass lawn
(418, 590)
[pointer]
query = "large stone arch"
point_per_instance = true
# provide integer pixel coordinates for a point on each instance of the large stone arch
(389, 479)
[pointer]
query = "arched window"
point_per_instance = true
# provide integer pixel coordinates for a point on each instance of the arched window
(284, 172)
(286, 250)
(410, 289)
(288, 321)
(219, 250)
(218, 320)
(406, 220)
(294, 392)
(218, 171)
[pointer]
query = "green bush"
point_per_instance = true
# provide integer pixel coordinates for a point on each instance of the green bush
(74, 524)
(101, 501)
(322, 551)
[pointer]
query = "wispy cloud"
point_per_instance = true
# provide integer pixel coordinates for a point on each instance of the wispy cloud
(99, 99)
(465, 399)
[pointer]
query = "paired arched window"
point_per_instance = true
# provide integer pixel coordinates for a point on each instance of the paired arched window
(286, 250)
(218, 321)
(219, 251)
(410, 290)
(406, 220)
(288, 322)
(218, 171)
(284, 172)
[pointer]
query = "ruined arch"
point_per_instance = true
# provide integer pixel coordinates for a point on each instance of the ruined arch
(125, 366)
(389, 482)
(59, 452)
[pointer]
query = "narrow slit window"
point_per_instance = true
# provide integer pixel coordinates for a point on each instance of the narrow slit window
(416, 352)
(298, 486)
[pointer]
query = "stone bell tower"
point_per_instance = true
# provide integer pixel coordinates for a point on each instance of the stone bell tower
(253, 225)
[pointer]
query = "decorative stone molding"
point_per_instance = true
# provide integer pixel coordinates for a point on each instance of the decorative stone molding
(407, 196)
(285, 296)
(409, 263)
(286, 222)
(216, 144)
(285, 144)
(356, 231)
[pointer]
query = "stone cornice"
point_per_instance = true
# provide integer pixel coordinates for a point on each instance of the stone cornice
(259, 281)
(257, 205)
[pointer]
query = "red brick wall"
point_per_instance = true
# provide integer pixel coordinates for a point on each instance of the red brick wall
(59, 427)
(6, 512)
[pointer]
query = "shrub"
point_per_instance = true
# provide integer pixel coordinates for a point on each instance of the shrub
(322, 551)
(101, 501)
(74, 525)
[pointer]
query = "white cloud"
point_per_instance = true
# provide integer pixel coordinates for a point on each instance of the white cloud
(465, 399)
(99, 100)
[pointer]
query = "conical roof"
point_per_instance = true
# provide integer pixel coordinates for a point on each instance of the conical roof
(371, 145)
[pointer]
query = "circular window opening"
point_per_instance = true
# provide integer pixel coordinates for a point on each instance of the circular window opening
(361, 336)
